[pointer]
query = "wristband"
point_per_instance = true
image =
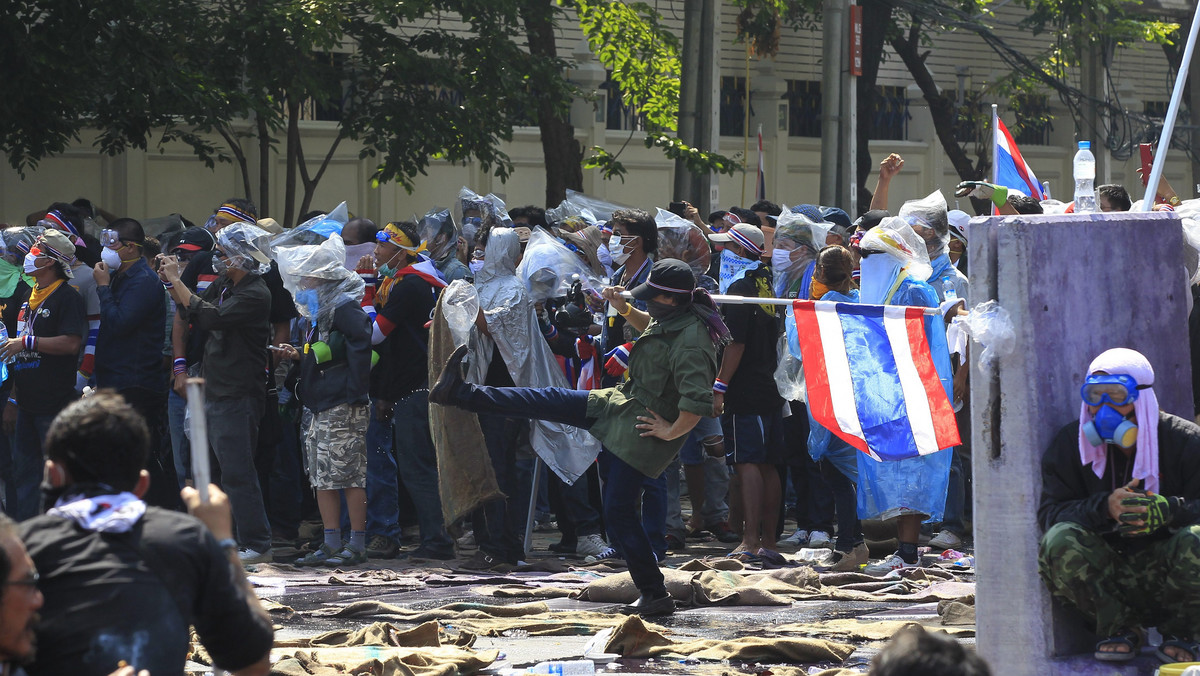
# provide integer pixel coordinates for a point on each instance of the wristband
(628, 309)
(720, 386)
(29, 343)
(180, 366)
(228, 543)
(13, 401)
(166, 284)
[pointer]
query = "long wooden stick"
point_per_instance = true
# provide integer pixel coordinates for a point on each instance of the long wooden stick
(201, 472)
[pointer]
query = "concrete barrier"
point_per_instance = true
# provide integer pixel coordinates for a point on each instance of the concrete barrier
(1075, 286)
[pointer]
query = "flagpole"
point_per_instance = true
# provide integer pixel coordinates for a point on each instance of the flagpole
(1164, 140)
(752, 300)
(995, 130)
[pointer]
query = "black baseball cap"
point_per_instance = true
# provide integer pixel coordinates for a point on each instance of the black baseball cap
(670, 275)
(194, 239)
(871, 219)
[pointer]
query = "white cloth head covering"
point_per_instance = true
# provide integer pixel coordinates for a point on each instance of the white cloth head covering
(1123, 361)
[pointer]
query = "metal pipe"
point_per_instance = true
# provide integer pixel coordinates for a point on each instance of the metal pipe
(751, 300)
(1164, 140)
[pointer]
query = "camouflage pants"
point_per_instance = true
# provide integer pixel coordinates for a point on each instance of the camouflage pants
(335, 447)
(1157, 586)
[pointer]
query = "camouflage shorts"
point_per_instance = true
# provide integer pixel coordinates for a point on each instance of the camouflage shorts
(335, 447)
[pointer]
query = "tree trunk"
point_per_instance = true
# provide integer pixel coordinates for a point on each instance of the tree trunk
(293, 152)
(876, 18)
(941, 106)
(239, 156)
(264, 167)
(562, 153)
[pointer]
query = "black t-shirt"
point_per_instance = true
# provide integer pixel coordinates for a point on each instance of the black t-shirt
(131, 596)
(46, 383)
(752, 389)
(199, 274)
(10, 310)
(403, 354)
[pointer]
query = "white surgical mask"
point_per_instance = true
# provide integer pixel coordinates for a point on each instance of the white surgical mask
(30, 264)
(781, 259)
(476, 265)
(111, 258)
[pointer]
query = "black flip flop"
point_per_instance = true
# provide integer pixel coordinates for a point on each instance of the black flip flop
(1192, 647)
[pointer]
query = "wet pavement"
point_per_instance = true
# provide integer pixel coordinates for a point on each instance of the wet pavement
(711, 622)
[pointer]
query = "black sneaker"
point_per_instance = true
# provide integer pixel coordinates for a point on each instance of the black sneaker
(649, 607)
(482, 561)
(423, 554)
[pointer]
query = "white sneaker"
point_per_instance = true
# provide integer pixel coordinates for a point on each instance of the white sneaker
(608, 553)
(248, 556)
(945, 539)
(819, 539)
(797, 539)
(887, 565)
(467, 541)
(590, 545)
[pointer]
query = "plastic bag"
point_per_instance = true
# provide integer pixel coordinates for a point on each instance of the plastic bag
(789, 374)
(314, 230)
(600, 209)
(436, 228)
(476, 214)
(928, 217)
(683, 240)
(991, 326)
(548, 268)
(317, 278)
(896, 237)
(460, 307)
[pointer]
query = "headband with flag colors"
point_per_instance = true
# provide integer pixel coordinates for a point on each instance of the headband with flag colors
(236, 214)
(741, 239)
(56, 220)
(1011, 170)
(391, 234)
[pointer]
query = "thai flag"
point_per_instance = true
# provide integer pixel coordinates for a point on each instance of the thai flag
(1011, 170)
(760, 190)
(871, 378)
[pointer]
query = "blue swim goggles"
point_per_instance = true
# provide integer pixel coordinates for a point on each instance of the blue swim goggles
(1117, 390)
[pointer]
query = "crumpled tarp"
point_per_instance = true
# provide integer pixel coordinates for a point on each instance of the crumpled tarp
(532, 619)
(381, 661)
(465, 476)
(634, 639)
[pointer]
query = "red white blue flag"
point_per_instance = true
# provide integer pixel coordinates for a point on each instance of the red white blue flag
(872, 379)
(1011, 170)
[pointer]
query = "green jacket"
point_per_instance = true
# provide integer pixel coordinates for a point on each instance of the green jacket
(671, 368)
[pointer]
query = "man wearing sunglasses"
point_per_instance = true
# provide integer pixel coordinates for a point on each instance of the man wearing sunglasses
(1120, 507)
(128, 347)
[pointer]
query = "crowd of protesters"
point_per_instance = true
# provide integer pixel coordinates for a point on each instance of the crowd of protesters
(597, 343)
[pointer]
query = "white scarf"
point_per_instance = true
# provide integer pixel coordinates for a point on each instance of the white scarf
(101, 513)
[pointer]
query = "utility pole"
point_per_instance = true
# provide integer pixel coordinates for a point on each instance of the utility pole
(699, 116)
(832, 50)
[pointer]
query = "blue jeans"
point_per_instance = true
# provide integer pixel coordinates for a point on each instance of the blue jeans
(714, 510)
(383, 501)
(24, 496)
(552, 404)
(181, 446)
(417, 457)
(622, 490)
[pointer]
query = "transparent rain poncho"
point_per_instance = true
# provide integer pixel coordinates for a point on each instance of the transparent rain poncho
(805, 237)
(317, 279)
(683, 240)
(549, 268)
(247, 247)
(508, 309)
(315, 230)
(578, 204)
(487, 212)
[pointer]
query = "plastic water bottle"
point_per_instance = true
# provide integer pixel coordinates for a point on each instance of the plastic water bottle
(564, 668)
(948, 290)
(1085, 179)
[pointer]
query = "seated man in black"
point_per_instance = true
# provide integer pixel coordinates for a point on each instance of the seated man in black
(1120, 505)
(124, 581)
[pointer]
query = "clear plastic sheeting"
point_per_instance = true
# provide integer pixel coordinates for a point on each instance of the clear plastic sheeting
(896, 237)
(789, 373)
(436, 228)
(928, 217)
(508, 309)
(476, 214)
(314, 230)
(802, 237)
(460, 306)
(318, 280)
(247, 246)
(578, 203)
(990, 325)
(549, 268)
(683, 240)
(1191, 252)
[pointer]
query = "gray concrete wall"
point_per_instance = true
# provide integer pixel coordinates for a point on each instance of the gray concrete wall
(1074, 286)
